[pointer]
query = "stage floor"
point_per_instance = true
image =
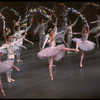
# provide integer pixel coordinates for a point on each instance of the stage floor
(70, 81)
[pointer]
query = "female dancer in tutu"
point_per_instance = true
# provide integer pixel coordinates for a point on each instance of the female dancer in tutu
(96, 29)
(9, 46)
(4, 67)
(53, 52)
(83, 43)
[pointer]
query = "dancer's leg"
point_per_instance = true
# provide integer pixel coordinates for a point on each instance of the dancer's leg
(2, 91)
(81, 60)
(50, 67)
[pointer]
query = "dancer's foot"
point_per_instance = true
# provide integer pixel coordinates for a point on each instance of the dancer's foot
(54, 65)
(17, 69)
(80, 64)
(2, 91)
(8, 80)
(69, 52)
(19, 60)
(12, 80)
(77, 50)
(51, 77)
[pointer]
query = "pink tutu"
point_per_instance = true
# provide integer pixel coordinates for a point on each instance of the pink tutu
(4, 67)
(84, 45)
(55, 52)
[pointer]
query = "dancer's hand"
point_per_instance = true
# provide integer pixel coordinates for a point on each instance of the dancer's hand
(25, 33)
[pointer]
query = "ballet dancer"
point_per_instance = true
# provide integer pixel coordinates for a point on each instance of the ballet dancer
(9, 46)
(69, 32)
(83, 43)
(4, 67)
(53, 52)
(96, 29)
(41, 28)
(18, 34)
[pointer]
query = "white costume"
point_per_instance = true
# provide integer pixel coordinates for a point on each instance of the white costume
(18, 35)
(10, 54)
(69, 33)
(41, 28)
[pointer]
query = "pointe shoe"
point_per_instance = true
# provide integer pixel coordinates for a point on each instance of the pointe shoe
(69, 52)
(12, 80)
(51, 77)
(20, 60)
(80, 65)
(2, 91)
(9, 80)
(17, 69)
(77, 50)
(54, 65)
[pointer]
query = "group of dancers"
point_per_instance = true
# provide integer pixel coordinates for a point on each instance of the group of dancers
(14, 44)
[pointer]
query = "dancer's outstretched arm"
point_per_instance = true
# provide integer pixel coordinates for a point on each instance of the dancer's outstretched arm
(93, 22)
(28, 41)
(74, 22)
(46, 39)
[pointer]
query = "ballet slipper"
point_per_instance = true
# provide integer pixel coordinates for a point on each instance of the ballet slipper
(54, 65)
(80, 64)
(3, 93)
(12, 80)
(8, 80)
(51, 77)
(17, 69)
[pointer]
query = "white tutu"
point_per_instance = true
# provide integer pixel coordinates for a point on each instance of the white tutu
(9, 62)
(84, 45)
(4, 67)
(55, 52)
(95, 29)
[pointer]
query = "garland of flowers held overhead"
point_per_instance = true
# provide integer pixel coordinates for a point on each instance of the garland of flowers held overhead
(75, 12)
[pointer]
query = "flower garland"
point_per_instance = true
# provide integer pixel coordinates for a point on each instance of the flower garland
(75, 12)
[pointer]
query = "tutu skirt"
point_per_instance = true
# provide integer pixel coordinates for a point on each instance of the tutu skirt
(95, 29)
(5, 66)
(55, 52)
(84, 45)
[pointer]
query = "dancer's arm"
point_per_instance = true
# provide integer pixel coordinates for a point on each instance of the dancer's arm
(93, 22)
(36, 29)
(74, 22)
(46, 22)
(46, 39)
(3, 46)
(15, 42)
(28, 41)
(76, 33)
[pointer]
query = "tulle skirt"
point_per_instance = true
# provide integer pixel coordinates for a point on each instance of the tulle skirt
(6, 65)
(55, 52)
(84, 45)
(95, 29)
